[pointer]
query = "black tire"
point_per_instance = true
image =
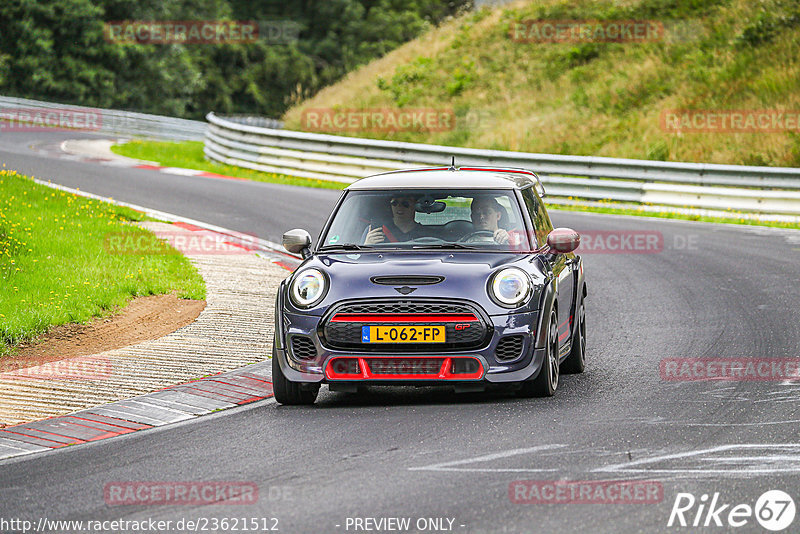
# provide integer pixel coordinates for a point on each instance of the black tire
(546, 382)
(287, 392)
(576, 361)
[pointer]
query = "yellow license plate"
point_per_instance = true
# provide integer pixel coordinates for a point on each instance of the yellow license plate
(402, 334)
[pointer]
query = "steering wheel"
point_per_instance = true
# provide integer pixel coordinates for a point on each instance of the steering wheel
(479, 233)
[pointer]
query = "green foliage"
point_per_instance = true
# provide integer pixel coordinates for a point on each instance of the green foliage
(769, 23)
(757, 160)
(462, 76)
(56, 50)
(670, 9)
(406, 84)
(762, 30)
(658, 151)
(580, 55)
(795, 150)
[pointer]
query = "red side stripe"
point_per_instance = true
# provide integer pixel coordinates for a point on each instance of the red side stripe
(187, 226)
(54, 445)
(221, 176)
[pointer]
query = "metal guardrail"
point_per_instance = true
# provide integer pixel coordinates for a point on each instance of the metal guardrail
(768, 190)
(33, 112)
(262, 122)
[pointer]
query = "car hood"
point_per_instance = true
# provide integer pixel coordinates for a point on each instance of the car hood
(465, 275)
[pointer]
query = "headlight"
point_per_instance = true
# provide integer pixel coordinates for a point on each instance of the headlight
(308, 288)
(510, 286)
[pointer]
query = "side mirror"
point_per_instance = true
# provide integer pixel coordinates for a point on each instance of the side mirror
(297, 241)
(563, 240)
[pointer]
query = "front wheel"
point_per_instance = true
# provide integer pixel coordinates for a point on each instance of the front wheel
(287, 392)
(546, 382)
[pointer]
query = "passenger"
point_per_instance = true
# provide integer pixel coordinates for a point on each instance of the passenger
(402, 227)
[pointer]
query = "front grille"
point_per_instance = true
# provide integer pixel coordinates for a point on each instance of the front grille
(406, 280)
(509, 348)
(303, 348)
(405, 306)
(465, 326)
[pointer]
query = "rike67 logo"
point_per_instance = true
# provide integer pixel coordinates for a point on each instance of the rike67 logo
(774, 510)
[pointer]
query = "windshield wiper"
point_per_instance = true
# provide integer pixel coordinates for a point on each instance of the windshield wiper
(450, 245)
(347, 246)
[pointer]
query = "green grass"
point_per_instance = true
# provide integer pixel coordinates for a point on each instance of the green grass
(641, 212)
(189, 155)
(54, 267)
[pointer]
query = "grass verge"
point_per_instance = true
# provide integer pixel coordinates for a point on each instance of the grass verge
(54, 268)
(612, 210)
(189, 155)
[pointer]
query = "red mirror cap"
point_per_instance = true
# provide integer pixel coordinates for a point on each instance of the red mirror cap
(563, 240)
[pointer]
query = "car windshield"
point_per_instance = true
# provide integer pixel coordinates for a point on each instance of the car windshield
(481, 219)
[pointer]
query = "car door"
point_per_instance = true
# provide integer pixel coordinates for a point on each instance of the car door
(563, 277)
(561, 265)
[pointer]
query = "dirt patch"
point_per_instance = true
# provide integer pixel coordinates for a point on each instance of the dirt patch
(143, 319)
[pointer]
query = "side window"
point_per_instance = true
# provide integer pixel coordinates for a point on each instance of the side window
(539, 217)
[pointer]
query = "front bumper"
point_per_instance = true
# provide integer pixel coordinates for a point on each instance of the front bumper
(319, 368)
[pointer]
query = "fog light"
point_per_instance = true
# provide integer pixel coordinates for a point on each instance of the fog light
(346, 366)
(465, 366)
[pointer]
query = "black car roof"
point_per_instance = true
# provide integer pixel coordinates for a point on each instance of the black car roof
(442, 177)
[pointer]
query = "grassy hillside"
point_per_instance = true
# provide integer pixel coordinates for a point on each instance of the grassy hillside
(602, 99)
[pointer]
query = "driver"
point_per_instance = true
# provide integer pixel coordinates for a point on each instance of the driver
(403, 226)
(487, 214)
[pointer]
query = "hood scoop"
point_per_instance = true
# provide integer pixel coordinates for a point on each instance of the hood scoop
(409, 280)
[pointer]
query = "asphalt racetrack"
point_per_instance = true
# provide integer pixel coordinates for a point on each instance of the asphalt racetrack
(450, 462)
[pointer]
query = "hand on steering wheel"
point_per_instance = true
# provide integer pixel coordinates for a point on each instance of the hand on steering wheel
(487, 233)
(427, 240)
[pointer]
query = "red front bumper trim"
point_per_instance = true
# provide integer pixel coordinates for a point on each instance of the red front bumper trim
(445, 371)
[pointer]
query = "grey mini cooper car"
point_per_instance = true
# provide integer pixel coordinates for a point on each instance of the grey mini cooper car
(438, 276)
